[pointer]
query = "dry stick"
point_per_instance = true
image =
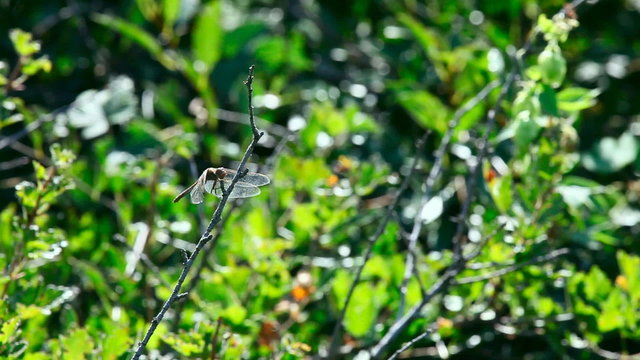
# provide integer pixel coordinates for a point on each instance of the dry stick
(214, 339)
(431, 180)
(15, 73)
(458, 265)
(198, 272)
(207, 252)
(540, 259)
(8, 140)
(335, 342)
(431, 328)
(610, 355)
(453, 270)
(428, 332)
(215, 219)
(536, 260)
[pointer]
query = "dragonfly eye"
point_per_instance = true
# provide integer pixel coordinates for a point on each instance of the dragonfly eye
(220, 173)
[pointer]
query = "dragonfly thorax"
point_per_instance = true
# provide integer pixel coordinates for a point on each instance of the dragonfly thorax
(216, 174)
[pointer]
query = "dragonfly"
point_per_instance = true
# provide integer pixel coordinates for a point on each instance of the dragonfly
(217, 180)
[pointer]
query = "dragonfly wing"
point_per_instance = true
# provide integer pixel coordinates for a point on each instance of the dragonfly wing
(251, 177)
(240, 190)
(197, 193)
(208, 186)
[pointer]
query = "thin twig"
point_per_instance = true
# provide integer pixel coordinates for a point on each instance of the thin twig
(478, 248)
(237, 117)
(8, 140)
(214, 339)
(611, 355)
(335, 342)
(439, 286)
(215, 219)
(428, 332)
(540, 259)
(15, 73)
(203, 263)
(458, 264)
(144, 260)
(459, 261)
(431, 180)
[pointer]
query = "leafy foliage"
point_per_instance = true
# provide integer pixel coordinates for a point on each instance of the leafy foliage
(107, 109)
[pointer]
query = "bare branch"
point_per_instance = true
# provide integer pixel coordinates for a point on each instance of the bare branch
(459, 260)
(214, 339)
(434, 174)
(335, 342)
(439, 286)
(408, 345)
(215, 219)
(540, 259)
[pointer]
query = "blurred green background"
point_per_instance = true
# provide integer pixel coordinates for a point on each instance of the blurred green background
(111, 108)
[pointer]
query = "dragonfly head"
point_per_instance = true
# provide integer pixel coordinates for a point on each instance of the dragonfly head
(219, 173)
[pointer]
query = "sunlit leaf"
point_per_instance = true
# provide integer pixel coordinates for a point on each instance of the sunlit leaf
(137, 34)
(576, 99)
(170, 11)
(9, 330)
(611, 154)
(361, 313)
(426, 109)
(77, 344)
(23, 43)
(207, 35)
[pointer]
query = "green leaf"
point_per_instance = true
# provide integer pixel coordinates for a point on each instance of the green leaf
(425, 108)
(116, 343)
(613, 310)
(138, 35)
(576, 99)
(236, 39)
(610, 154)
(9, 330)
(501, 190)
(545, 306)
(609, 320)
(186, 344)
(235, 313)
(329, 118)
(94, 111)
(429, 40)
(359, 121)
(37, 356)
(552, 65)
(207, 36)
(23, 43)
(361, 313)
(377, 267)
(574, 195)
(32, 67)
(630, 269)
(526, 130)
(548, 101)
(77, 344)
(170, 11)
(597, 285)
(304, 216)
(340, 287)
